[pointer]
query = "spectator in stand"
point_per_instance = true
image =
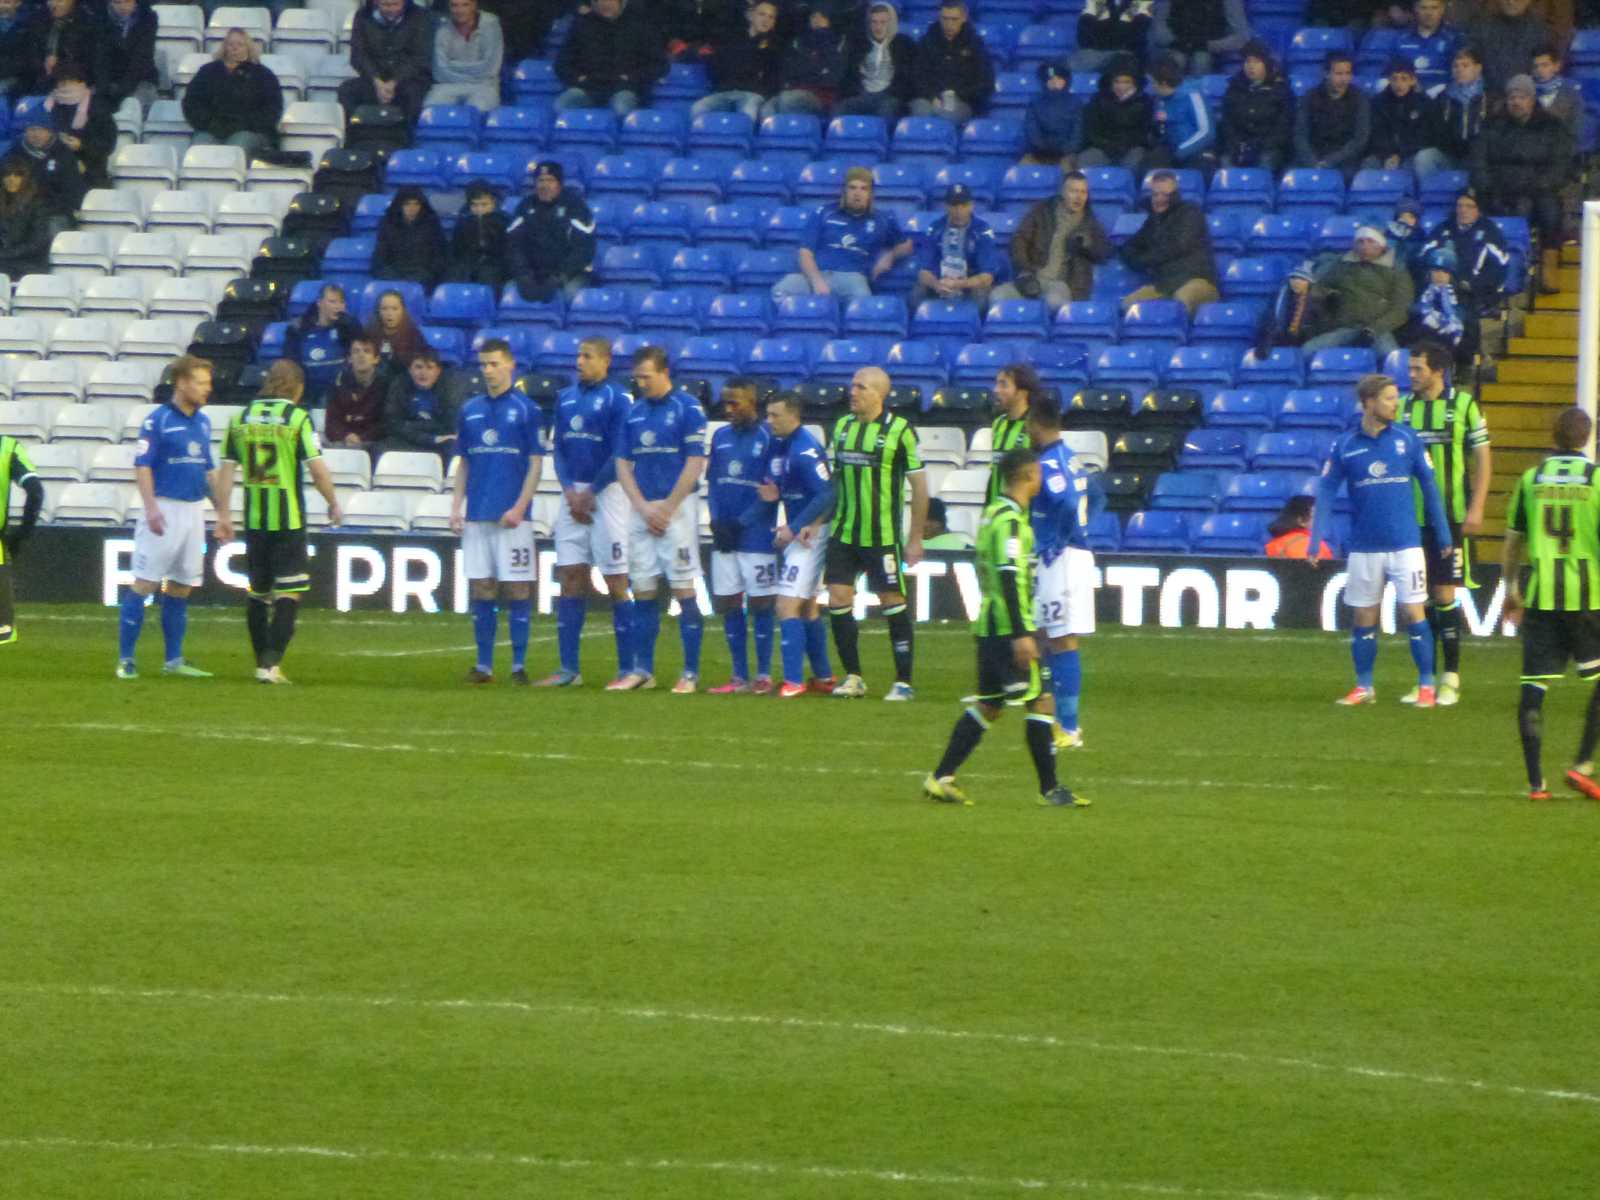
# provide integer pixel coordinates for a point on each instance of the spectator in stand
(356, 405)
(21, 38)
(613, 57)
(1405, 121)
(695, 29)
(1295, 314)
(468, 52)
(68, 37)
(1562, 98)
(127, 63)
(1466, 108)
(1257, 126)
(83, 122)
(1482, 258)
(1056, 248)
(525, 24)
(1173, 247)
(879, 70)
(393, 333)
(936, 531)
(1289, 535)
(1197, 33)
(479, 247)
(1437, 314)
(1119, 122)
(57, 174)
(1520, 164)
(1509, 36)
(1354, 15)
(1108, 28)
(954, 77)
(421, 407)
(1052, 130)
(551, 239)
(1429, 45)
(1183, 120)
(411, 241)
(1406, 236)
(24, 223)
(391, 49)
(1366, 297)
(850, 244)
(233, 99)
(745, 66)
(812, 72)
(959, 257)
(320, 342)
(1334, 123)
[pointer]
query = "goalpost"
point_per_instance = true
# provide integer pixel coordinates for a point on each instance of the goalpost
(1589, 312)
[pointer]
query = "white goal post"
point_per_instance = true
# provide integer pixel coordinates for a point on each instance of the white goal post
(1589, 313)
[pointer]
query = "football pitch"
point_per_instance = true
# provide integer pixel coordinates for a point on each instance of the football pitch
(382, 935)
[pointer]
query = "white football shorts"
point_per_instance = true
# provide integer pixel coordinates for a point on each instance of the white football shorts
(491, 551)
(743, 571)
(1369, 570)
(1064, 594)
(603, 542)
(179, 554)
(800, 574)
(675, 555)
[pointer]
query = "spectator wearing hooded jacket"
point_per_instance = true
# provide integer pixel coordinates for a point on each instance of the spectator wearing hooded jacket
(745, 65)
(1172, 247)
(1107, 28)
(24, 223)
(879, 68)
(233, 100)
(1183, 118)
(479, 246)
(1482, 257)
(1257, 126)
(1405, 120)
(954, 76)
(1119, 122)
(813, 70)
(57, 173)
(127, 63)
(391, 49)
(1367, 297)
(1052, 130)
(1334, 123)
(551, 238)
(468, 50)
(958, 257)
(320, 341)
(1295, 314)
(1056, 248)
(1466, 108)
(411, 241)
(1199, 32)
(68, 36)
(1520, 164)
(613, 58)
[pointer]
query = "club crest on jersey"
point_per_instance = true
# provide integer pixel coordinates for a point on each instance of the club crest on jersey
(194, 449)
(1377, 468)
(577, 424)
(736, 468)
(1055, 483)
(318, 354)
(647, 438)
(491, 437)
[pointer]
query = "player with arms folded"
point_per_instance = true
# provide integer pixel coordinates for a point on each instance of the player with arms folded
(15, 469)
(801, 479)
(498, 462)
(743, 562)
(1553, 523)
(1008, 647)
(1380, 460)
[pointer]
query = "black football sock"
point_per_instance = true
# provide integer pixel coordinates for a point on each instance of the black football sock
(1591, 727)
(1530, 723)
(900, 639)
(846, 638)
(1449, 632)
(1039, 729)
(283, 615)
(964, 739)
(257, 618)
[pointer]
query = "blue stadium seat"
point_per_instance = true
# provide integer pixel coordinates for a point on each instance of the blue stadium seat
(1126, 225)
(1328, 410)
(1113, 280)
(1380, 189)
(625, 345)
(726, 225)
(684, 83)
(982, 178)
(524, 342)
(722, 133)
(1043, 43)
(796, 137)
(899, 183)
(838, 359)
(1337, 232)
(514, 310)
(992, 138)
(1004, 224)
(1584, 53)
(1280, 233)
(1214, 450)
(1376, 49)
(667, 310)
(557, 351)
(1282, 365)
(1016, 320)
(706, 268)
(415, 168)
(786, 359)
(1164, 320)
(761, 179)
(366, 301)
(630, 175)
(452, 126)
(1187, 491)
(369, 212)
(1264, 491)
(1309, 47)
(1109, 185)
(1104, 533)
(660, 223)
(534, 79)
(273, 337)
(1133, 367)
(600, 310)
(1227, 320)
(629, 265)
(1157, 532)
(1231, 533)
(763, 268)
(461, 305)
(1013, 92)
(948, 320)
(977, 363)
(858, 139)
(876, 316)
(928, 140)
(1086, 320)
(1240, 187)
(1293, 450)
(1195, 366)
(592, 130)
(524, 126)
(790, 225)
(1062, 365)
(1340, 364)
(1397, 366)
(916, 364)
(449, 344)
(611, 216)
(1253, 278)
(799, 316)
(1237, 408)
(707, 357)
(820, 182)
(698, 181)
(1440, 188)
(349, 256)
(304, 294)
(1024, 185)
(654, 129)
(1224, 228)
(1310, 187)
(502, 169)
(737, 312)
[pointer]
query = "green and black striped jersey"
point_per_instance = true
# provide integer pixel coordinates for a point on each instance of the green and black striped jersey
(1556, 507)
(270, 440)
(1009, 434)
(14, 468)
(1005, 571)
(1452, 428)
(871, 460)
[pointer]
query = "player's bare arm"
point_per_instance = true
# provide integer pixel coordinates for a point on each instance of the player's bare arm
(1481, 466)
(145, 480)
(458, 497)
(919, 515)
(518, 512)
(322, 480)
(221, 501)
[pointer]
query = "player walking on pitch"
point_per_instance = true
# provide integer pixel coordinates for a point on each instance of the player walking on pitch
(1008, 648)
(1380, 460)
(801, 479)
(174, 470)
(15, 469)
(1553, 523)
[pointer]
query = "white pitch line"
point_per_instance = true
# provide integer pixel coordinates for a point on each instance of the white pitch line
(490, 1158)
(1041, 1041)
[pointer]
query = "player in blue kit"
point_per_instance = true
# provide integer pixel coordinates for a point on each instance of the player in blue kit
(498, 462)
(800, 477)
(660, 455)
(743, 563)
(1068, 499)
(591, 526)
(1380, 460)
(175, 471)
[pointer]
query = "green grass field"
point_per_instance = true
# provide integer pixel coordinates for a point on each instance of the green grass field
(378, 935)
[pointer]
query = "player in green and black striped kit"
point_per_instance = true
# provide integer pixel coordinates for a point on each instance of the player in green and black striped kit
(15, 469)
(874, 457)
(270, 440)
(1555, 513)
(1015, 387)
(1008, 646)
(1451, 426)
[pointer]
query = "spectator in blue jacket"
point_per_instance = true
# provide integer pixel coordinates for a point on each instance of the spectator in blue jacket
(849, 246)
(1437, 313)
(1188, 134)
(959, 257)
(320, 342)
(1053, 128)
(1429, 45)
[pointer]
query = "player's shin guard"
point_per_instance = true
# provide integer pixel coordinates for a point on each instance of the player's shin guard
(258, 620)
(646, 628)
(1530, 724)
(1448, 619)
(1066, 674)
(485, 622)
(174, 624)
(764, 621)
(964, 739)
(795, 634)
(569, 631)
(519, 621)
(622, 630)
(817, 649)
(691, 631)
(846, 638)
(1591, 728)
(1364, 652)
(130, 622)
(1041, 735)
(735, 628)
(1422, 651)
(901, 631)
(284, 612)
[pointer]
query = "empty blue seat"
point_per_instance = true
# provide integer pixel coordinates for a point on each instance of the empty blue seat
(1187, 491)
(1215, 450)
(992, 138)
(1228, 320)
(1231, 533)
(653, 128)
(794, 136)
(273, 337)
(461, 305)
(737, 312)
(660, 222)
(1014, 91)
(708, 357)
(1238, 408)
(1584, 53)
(951, 320)
(786, 359)
(864, 139)
(667, 310)
(611, 216)
(790, 225)
(589, 129)
(1166, 320)
(799, 315)
(1292, 450)
(534, 79)
(899, 183)
(1240, 187)
(980, 178)
(1062, 365)
(1020, 320)
(839, 359)
(600, 310)
(1280, 233)
(1133, 367)
(999, 38)
(1108, 185)
(916, 364)
(1340, 364)
(524, 126)
(1440, 188)
(763, 268)
(760, 179)
(1253, 278)
(1126, 225)
(704, 267)
(1024, 185)
(1376, 49)
(1313, 187)
(1380, 189)
(415, 168)
(721, 132)
(524, 342)
(451, 125)
(635, 265)
(726, 224)
(1310, 46)
(1264, 491)
(683, 83)
(977, 363)
(1157, 531)
(448, 343)
(349, 256)
(693, 180)
(500, 168)
(1104, 533)
(1315, 409)
(548, 314)
(820, 182)
(929, 140)
(1043, 43)
(1194, 366)
(1281, 365)
(882, 316)
(1092, 320)
(630, 175)
(1224, 228)
(369, 212)
(557, 352)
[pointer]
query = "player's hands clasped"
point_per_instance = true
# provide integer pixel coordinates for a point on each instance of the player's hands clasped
(657, 517)
(580, 503)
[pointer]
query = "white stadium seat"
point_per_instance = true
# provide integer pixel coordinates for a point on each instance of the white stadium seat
(215, 170)
(91, 504)
(87, 423)
(942, 443)
(291, 73)
(981, 452)
(176, 209)
(189, 295)
(304, 28)
(221, 416)
(433, 513)
(59, 462)
(544, 514)
(61, 381)
(109, 209)
(349, 468)
(1089, 445)
(256, 20)
(44, 294)
(166, 126)
(151, 255)
(123, 382)
(22, 336)
(324, 74)
(412, 470)
(160, 338)
(259, 214)
(28, 419)
(312, 126)
(935, 473)
(378, 510)
(185, 69)
(180, 30)
(146, 169)
(129, 119)
(81, 339)
(226, 254)
(281, 182)
(965, 487)
(316, 509)
(963, 519)
(82, 254)
(112, 464)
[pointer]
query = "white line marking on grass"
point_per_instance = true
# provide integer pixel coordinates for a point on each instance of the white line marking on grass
(489, 1158)
(1042, 1041)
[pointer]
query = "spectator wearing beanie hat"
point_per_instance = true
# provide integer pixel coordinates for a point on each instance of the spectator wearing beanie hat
(1295, 315)
(1406, 235)
(1437, 313)
(1053, 128)
(1368, 299)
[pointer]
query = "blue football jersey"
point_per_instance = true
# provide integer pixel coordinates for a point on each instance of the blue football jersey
(1380, 471)
(585, 433)
(177, 449)
(499, 437)
(799, 467)
(1061, 511)
(738, 465)
(658, 437)
(844, 241)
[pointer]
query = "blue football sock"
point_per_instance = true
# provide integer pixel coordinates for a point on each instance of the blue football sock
(734, 628)
(692, 629)
(1364, 652)
(131, 622)
(794, 634)
(1421, 635)
(765, 621)
(519, 620)
(174, 624)
(485, 621)
(817, 649)
(622, 628)
(569, 630)
(1066, 675)
(646, 628)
